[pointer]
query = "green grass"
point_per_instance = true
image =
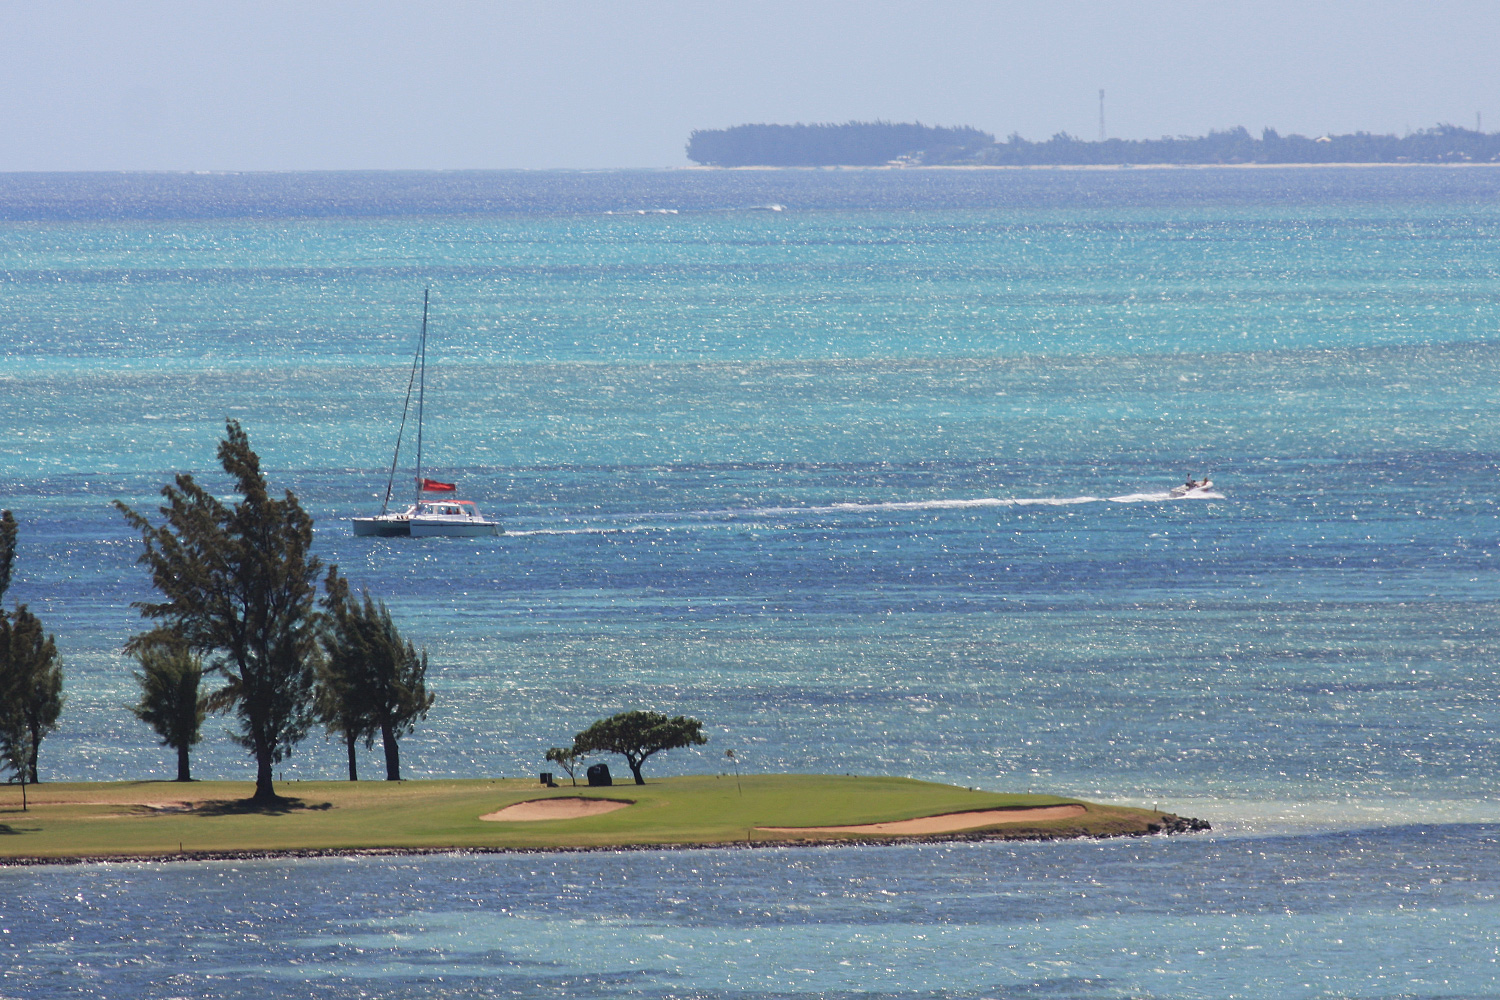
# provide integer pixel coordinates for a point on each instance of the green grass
(145, 819)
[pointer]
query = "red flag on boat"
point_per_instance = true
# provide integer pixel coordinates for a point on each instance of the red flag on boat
(433, 486)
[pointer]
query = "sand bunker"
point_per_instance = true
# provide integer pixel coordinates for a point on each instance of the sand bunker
(568, 808)
(946, 823)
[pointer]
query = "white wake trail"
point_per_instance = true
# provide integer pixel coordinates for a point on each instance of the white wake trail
(950, 504)
(699, 520)
(627, 530)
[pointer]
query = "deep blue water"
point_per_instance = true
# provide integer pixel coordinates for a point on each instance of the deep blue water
(870, 483)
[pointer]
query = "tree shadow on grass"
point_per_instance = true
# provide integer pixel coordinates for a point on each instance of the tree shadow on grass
(279, 806)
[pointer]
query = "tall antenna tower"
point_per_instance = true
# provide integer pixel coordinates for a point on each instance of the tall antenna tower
(1101, 116)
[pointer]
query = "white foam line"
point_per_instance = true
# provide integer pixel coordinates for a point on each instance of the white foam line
(623, 530)
(846, 508)
(955, 504)
(1163, 497)
(579, 531)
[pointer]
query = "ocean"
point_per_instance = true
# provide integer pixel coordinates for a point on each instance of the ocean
(867, 470)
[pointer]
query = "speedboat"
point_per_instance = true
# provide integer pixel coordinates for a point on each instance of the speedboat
(1193, 490)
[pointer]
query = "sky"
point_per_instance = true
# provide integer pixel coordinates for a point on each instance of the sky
(389, 84)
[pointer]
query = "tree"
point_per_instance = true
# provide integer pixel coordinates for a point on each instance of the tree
(566, 758)
(638, 735)
(13, 746)
(170, 677)
(372, 680)
(339, 705)
(240, 587)
(31, 680)
(38, 679)
(12, 727)
(7, 550)
(13, 743)
(31, 695)
(343, 699)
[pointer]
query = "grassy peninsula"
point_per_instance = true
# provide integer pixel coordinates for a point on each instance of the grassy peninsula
(157, 819)
(288, 659)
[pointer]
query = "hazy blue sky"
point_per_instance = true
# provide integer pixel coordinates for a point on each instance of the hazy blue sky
(219, 85)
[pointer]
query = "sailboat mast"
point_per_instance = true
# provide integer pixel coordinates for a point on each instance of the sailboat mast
(421, 390)
(411, 382)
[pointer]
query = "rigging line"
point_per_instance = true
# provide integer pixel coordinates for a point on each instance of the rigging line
(421, 391)
(396, 455)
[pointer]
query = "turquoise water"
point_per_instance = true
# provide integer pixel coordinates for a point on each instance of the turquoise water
(870, 483)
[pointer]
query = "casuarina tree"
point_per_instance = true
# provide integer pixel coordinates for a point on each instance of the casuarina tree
(171, 703)
(14, 747)
(239, 587)
(36, 682)
(12, 724)
(30, 691)
(638, 735)
(7, 550)
(340, 699)
(373, 680)
(31, 681)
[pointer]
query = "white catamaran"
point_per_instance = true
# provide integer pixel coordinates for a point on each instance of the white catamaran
(426, 518)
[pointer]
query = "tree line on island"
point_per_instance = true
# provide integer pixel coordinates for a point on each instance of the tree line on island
(240, 587)
(868, 144)
(862, 144)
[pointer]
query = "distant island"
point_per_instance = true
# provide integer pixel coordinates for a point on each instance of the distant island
(853, 144)
(870, 144)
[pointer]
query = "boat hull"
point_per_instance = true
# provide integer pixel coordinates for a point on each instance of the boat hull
(438, 528)
(382, 527)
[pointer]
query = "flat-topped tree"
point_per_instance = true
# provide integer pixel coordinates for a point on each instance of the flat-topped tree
(637, 736)
(566, 758)
(239, 587)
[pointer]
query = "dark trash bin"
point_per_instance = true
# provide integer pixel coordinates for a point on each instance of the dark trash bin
(547, 779)
(599, 775)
